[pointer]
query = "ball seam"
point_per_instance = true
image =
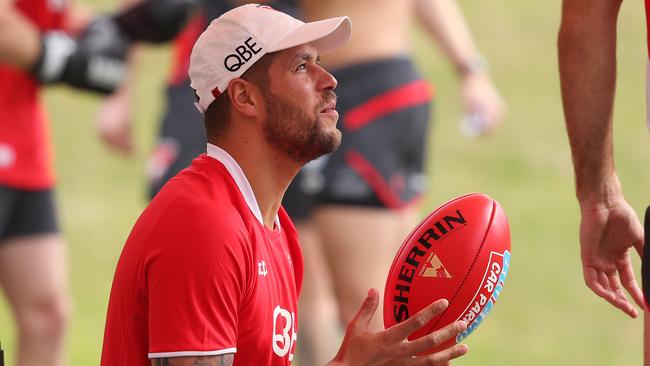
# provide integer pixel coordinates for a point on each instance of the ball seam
(478, 252)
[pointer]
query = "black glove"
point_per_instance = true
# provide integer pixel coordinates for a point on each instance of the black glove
(95, 61)
(156, 21)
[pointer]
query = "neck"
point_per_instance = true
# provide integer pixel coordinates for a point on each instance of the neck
(267, 171)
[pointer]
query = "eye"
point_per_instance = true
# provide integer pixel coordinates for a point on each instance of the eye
(302, 66)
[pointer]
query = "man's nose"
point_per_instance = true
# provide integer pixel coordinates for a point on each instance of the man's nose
(327, 80)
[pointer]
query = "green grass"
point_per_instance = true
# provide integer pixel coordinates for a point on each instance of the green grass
(545, 316)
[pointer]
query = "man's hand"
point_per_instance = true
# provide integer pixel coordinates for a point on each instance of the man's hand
(607, 233)
(361, 346)
(482, 101)
(114, 120)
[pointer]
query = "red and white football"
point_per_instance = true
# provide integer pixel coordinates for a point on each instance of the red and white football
(459, 252)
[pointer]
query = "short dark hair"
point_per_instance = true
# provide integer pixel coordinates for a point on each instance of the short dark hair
(216, 117)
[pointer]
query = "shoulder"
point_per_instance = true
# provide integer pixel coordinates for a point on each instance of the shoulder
(195, 235)
(196, 207)
(201, 192)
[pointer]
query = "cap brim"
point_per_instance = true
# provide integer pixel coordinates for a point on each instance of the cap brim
(326, 35)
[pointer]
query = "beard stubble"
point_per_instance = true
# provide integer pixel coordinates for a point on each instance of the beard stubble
(292, 131)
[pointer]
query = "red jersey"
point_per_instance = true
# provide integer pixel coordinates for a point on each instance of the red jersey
(201, 275)
(25, 158)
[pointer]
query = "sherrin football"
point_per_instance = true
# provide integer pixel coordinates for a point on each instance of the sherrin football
(459, 252)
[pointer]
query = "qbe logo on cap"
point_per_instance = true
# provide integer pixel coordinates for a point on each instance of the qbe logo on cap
(243, 53)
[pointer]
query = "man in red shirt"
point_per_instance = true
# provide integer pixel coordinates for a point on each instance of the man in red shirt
(212, 270)
(610, 230)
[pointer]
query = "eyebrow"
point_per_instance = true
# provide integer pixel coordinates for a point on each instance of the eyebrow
(305, 56)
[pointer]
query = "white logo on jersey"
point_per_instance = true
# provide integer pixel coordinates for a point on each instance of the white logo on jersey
(289, 258)
(7, 156)
(261, 269)
(283, 343)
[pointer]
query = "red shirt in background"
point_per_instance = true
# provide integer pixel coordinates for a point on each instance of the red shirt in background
(25, 149)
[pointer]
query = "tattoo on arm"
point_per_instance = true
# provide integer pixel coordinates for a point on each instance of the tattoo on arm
(221, 360)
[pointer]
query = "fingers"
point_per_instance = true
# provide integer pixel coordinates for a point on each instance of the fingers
(115, 130)
(368, 308)
(436, 338)
(482, 96)
(599, 284)
(406, 328)
(121, 142)
(113, 123)
(494, 114)
(609, 289)
(631, 285)
(443, 357)
(621, 299)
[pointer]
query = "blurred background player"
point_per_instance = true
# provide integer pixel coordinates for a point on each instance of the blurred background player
(609, 227)
(35, 49)
(45, 42)
(354, 207)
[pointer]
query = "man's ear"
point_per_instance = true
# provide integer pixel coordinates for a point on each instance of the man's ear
(245, 97)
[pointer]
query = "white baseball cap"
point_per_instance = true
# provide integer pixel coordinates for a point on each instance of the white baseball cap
(233, 42)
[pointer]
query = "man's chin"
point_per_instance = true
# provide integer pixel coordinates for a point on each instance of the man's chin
(333, 143)
(323, 147)
(337, 140)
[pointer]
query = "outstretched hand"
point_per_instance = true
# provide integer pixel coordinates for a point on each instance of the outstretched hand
(361, 346)
(607, 233)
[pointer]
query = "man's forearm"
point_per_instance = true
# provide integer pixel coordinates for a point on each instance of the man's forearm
(446, 23)
(587, 60)
(19, 39)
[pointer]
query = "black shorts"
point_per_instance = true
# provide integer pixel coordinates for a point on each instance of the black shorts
(384, 109)
(26, 213)
(181, 137)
